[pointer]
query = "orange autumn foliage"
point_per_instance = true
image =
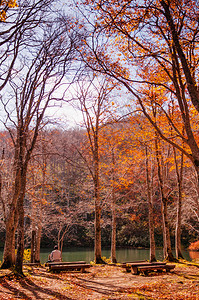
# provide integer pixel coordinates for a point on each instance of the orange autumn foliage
(194, 246)
(3, 6)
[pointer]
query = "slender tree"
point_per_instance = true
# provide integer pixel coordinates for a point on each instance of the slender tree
(164, 199)
(149, 183)
(39, 76)
(179, 176)
(93, 99)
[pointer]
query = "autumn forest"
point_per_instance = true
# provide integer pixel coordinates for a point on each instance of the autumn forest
(126, 173)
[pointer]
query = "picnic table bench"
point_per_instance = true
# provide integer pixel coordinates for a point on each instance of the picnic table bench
(32, 264)
(68, 266)
(145, 267)
(155, 267)
(64, 263)
(127, 265)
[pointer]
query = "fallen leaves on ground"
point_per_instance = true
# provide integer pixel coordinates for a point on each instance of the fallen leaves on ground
(101, 283)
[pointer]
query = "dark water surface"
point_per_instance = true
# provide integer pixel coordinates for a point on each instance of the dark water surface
(123, 255)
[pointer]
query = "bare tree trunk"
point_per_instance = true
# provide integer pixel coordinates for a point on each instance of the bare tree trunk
(151, 213)
(38, 242)
(34, 234)
(33, 246)
(178, 249)
(9, 247)
(168, 251)
(20, 241)
(113, 236)
(20, 231)
(93, 115)
(12, 220)
(39, 213)
(59, 239)
(98, 251)
(168, 255)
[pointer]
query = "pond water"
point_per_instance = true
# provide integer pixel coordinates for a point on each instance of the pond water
(123, 255)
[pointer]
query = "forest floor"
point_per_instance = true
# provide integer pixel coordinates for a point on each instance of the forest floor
(100, 283)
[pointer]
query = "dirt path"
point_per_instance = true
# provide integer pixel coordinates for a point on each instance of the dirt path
(101, 283)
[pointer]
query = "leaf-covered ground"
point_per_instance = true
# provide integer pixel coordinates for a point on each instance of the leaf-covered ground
(101, 282)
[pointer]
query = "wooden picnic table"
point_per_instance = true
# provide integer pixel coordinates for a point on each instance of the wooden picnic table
(68, 266)
(154, 267)
(64, 263)
(32, 264)
(127, 265)
(145, 267)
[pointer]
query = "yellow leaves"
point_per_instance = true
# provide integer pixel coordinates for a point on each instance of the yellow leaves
(2, 15)
(44, 201)
(134, 217)
(67, 287)
(27, 255)
(10, 4)
(172, 168)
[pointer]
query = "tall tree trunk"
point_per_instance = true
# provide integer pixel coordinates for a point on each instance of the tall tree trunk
(39, 212)
(151, 213)
(113, 236)
(168, 251)
(20, 240)
(179, 206)
(33, 246)
(98, 249)
(98, 252)
(34, 232)
(168, 255)
(20, 231)
(12, 220)
(38, 243)
(9, 247)
(93, 116)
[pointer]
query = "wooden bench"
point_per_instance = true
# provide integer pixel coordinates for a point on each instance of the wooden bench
(31, 264)
(155, 267)
(145, 267)
(69, 267)
(129, 265)
(64, 263)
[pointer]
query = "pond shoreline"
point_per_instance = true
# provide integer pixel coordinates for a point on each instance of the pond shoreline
(122, 254)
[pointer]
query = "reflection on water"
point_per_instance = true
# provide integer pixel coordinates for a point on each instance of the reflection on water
(123, 255)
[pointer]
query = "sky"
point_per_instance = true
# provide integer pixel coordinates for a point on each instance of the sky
(64, 114)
